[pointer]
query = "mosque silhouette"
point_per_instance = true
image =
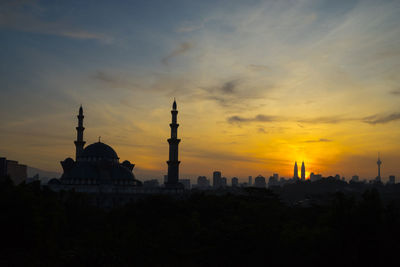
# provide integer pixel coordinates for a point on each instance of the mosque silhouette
(97, 167)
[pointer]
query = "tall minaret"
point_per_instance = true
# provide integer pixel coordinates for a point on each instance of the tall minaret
(173, 162)
(296, 172)
(379, 162)
(79, 143)
(303, 172)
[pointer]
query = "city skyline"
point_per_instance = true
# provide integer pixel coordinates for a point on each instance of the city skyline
(260, 85)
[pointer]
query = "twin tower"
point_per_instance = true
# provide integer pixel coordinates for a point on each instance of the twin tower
(303, 172)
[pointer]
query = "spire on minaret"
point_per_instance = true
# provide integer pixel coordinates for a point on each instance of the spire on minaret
(295, 172)
(79, 143)
(174, 105)
(379, 162)
(303, 171)
(173, 162)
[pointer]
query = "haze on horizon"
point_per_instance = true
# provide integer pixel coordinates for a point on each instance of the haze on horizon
(259, 84)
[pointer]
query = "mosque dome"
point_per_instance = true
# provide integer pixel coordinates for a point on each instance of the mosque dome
(99, 150)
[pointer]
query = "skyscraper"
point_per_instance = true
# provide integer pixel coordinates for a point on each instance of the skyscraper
(173, 162)
(303, 172)
(235, 182)
(217, 179)
(379, 162)
(296, 171)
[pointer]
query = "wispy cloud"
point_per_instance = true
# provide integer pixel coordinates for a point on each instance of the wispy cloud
(229, 87)
(381, 119)
(183, 48)
(321, 140)
(28, 16)
(395, 92)
(326, 120)
(257, 118)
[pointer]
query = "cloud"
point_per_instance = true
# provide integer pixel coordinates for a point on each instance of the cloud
(381, 119)
(395, 92)
(183, 48)
(261, 130)
(321, 140)
(104, 77)
(327, 120)
(229, 87)
(190, 26)
(29, 16)
(257, 118)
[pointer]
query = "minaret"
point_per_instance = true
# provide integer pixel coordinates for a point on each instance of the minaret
(303, 172)
(173, 162)
(379, 162)
(79, 143)
(296, 172)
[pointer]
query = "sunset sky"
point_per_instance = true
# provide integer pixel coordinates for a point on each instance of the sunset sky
(259, 84)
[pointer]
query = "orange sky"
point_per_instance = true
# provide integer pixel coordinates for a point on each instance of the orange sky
(258, 86)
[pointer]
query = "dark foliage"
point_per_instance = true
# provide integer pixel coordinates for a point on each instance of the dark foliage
(43, 228)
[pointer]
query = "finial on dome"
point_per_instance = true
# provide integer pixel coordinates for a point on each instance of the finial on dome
(99, 138)
(174, 104)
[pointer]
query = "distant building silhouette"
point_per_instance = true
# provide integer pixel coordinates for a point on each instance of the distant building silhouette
(217, 179)
(203, 182)
(315, 177)
(250, 181)
(259, 182)
(296, 171)
(151, 183)
(303, 172)
(379, 163)
(273, 180)
(15, 171)
(173, 162)
(186, 183)
(235, 182)
(392, 179)
(354, 178)
(224, 182)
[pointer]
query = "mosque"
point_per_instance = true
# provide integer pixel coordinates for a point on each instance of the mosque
(96, 168)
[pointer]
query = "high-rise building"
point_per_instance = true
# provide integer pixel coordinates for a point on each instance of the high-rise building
(303, 172)
(392, 179)
(296, 171)
(259, 182)
(235, 182)
(379, 162)
(355, 178)
(273, 180)
(15, 171)
(250, 180)
(224, 182)
(173, 162)
(217, 179)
